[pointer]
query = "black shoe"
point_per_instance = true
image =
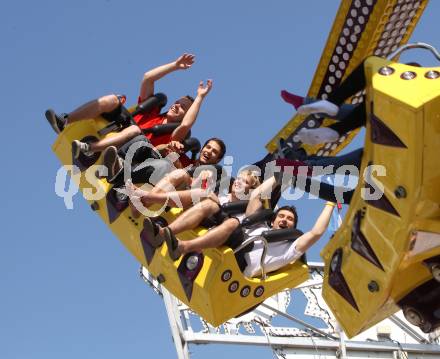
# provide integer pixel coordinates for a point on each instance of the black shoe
(287, 150)
(56, 121)
(295, 154)
(112, 161)
(152, 230)
(172, 244)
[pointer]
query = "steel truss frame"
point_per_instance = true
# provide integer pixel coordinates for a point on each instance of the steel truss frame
(304, 338)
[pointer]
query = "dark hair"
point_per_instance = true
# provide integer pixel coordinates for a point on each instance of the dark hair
(189, 98)
(290, 209)
(220, 143)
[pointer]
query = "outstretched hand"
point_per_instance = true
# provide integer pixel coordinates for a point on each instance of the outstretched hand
(185, 61)
(203, 90)
(175, 146)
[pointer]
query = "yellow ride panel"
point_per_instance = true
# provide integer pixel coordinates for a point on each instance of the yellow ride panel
(379, 259)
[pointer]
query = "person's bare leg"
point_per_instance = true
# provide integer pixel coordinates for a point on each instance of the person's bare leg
(134, 194)
(172, 181)
(213, 239)
(181, 199)
(117, 140)
(94, 108)
(192, 217)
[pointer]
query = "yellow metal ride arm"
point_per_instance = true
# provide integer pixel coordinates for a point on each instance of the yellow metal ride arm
(361, 28)
(386, 255)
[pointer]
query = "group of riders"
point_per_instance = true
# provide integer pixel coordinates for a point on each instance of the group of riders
(135, 155)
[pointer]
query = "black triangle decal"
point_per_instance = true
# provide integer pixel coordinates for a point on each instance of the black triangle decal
(337, 281)
(382, 203)
(359, 243)
(381, 134)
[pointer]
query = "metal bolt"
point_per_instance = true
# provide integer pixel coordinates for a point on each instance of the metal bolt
(245, 291)
(432, 74)
(386, 70)
(94, 206)
(192, 262)
(435, 270)
(259, 291)
(373, 286)
(408, 75)
(400, 192)
(226, 275)
(311, 123)
(233, 287)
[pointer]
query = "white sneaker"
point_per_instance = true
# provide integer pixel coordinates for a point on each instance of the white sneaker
(315, 136)
(321, 106)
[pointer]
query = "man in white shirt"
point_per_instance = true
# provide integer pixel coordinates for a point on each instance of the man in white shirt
(278, 254)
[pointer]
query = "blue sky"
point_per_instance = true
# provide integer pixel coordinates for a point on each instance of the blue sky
(69, 288)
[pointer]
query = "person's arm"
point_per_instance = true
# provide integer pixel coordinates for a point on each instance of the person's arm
(190, 117)
(147, 85)
(309, 238)
(172, 146)
(256, 199)
(168, 148)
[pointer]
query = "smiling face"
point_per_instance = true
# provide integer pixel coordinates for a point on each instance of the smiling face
(178, 109)
(241, 185)
(210, 153)
(283, 219)
(244, 183)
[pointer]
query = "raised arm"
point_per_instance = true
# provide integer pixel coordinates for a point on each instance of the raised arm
(147, 85)
(263, 191)
(311, 237)
(190, 117)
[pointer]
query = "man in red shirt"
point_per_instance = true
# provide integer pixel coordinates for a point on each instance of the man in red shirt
(111, 107)
(190, 108)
